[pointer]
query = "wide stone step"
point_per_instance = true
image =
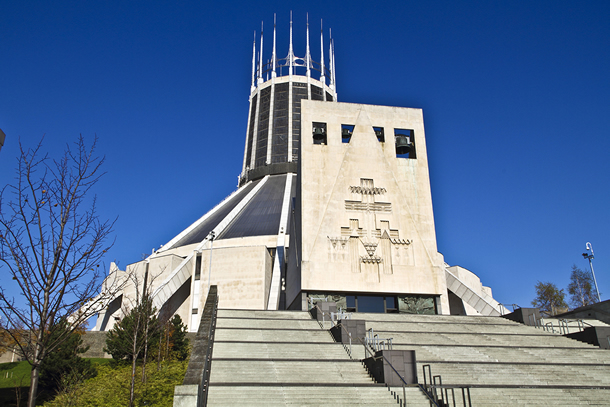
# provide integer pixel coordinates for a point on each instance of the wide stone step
(234, 313)
(330, 395)
(279, 350)
(266, 323)
(276, 335)
(254, 371)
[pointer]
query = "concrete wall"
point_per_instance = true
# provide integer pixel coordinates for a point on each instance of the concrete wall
(366, 216)
(599, 311)
(242, 274)
(473, 282)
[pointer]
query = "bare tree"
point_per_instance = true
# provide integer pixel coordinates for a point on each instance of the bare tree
(131, 337)
(51, 246)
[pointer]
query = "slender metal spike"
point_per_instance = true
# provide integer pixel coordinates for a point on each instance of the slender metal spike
(253, 61)
(307, 53)
(273, 74)
(330, 55)
(260, 63)
(290, 50)
(322, 76)
(334, 80)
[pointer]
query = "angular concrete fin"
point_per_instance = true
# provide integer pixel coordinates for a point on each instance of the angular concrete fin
(363, 121)
(466, 294)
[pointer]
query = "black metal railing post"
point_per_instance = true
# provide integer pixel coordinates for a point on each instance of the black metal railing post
(200, 362)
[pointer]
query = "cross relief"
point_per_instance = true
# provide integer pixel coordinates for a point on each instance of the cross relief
(366, 246)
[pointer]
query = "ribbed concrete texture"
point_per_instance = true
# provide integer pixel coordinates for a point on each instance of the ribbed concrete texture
(279, 358)
(505, 363)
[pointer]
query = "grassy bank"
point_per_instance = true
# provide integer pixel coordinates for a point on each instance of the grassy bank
(110, 388)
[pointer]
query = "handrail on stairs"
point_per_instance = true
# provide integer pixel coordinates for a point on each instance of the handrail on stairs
(200, 362)
(436, 384)
(368, 351)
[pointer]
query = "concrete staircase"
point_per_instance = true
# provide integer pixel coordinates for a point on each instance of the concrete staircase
(266, 358)
(504, 362)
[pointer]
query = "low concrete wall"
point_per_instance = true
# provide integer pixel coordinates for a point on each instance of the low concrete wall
(594, 335)
(356, 327)
(599, 311)
(96, 342)
(527, 316)
(194, 389)
(402, 360)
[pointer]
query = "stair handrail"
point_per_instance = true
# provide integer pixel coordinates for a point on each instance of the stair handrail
(377, 343)
(565, 325)
(369, 350)
(433, 388)
(402, 379)
(429, 394)
(198, 373)
(513, 306)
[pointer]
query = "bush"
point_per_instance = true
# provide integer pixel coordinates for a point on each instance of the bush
(110, 388)
(63, 366)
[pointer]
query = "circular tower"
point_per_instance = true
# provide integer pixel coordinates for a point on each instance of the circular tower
(274, 119)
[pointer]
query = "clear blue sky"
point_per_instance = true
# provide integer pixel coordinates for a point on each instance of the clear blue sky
(516, 101)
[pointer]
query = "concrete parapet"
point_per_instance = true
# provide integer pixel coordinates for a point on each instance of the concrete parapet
(402, 362)
(196, 380)
(186, 395)
(355, 327)
(594, 335)
(527, 316)
(96, 341)
(326, 307)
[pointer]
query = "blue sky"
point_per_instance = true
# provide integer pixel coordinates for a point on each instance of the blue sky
(516, 101)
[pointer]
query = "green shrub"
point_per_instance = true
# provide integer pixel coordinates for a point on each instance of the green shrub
(110, 388)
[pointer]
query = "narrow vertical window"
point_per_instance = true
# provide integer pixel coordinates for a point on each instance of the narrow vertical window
(346, 132)
(405, 143)
(379, 133)
(319, 133)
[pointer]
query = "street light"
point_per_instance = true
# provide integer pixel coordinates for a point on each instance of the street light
(590, 257)
(211, 236)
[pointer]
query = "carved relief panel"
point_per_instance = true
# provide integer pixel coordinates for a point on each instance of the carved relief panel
(369, 243)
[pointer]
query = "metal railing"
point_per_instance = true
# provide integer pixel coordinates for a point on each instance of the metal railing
(311, 300)
(504, 308)
(444, 395)
(558, 325)
(198, 370)
(431, 391)
(375, 342)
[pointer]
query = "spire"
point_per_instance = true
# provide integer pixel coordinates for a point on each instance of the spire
(322, 77)
(273, 74)
(334, 84)
(253, 61)
(307, 53)
(331, 56)
(260, 64)
(290, 51)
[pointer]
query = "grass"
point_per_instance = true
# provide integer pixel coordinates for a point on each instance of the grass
(110, 388)
(13, 373)
(16, 376)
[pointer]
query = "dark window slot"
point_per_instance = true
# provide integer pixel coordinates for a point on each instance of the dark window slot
(346, 132)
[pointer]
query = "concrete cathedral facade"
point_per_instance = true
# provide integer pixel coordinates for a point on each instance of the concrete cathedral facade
(333, 201)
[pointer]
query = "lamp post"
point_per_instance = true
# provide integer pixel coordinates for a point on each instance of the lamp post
(591, 257)
(211, 236)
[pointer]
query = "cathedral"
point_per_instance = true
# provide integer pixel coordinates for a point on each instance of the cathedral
(333, 201)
